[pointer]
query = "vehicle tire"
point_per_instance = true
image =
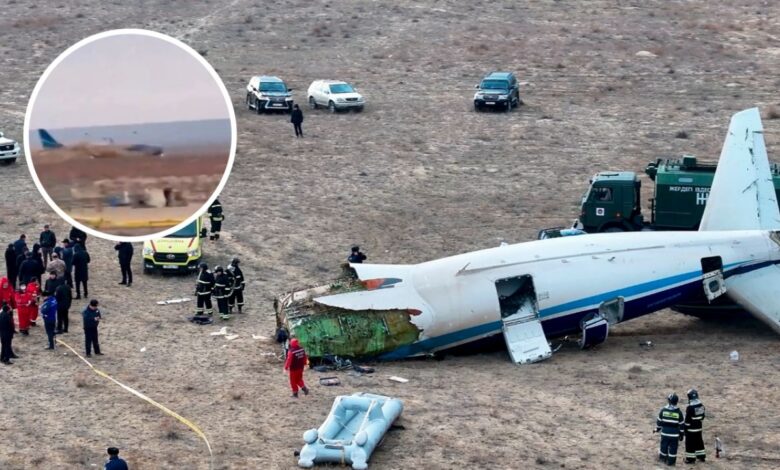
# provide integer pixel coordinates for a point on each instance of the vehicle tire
(248, 102)
(359, 109)
(477, 108)
(312, 103)
(258, 108)
(508, 106)
(614, 229)
(8, 161)
(332, 107)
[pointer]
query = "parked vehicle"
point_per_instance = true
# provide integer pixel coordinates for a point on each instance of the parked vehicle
(180, 251)
(264, 93)
(612, 203)
(498, 90)
(334, 95)
(9, 150)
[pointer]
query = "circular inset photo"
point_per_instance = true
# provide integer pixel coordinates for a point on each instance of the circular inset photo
(130, 135)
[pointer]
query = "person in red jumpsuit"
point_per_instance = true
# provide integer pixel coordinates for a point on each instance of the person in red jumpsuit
(296, 361)
(25, 306)
(34, 289)
(7, 293)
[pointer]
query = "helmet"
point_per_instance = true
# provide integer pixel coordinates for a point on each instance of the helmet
(672, 398)
(356, 248)
(218, 269)
(203, 266)
(693, 394)
(235, 261)
(231, 268)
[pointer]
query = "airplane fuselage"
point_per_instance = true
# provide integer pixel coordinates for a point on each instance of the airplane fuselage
(572, 276)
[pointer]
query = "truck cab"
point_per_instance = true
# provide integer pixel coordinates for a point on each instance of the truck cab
(612, 203)
(180, 251)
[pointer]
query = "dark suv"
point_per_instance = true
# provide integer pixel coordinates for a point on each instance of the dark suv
(498, 90)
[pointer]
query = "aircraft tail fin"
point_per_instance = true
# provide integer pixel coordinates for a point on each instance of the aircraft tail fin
(47, 140)
(743, 195)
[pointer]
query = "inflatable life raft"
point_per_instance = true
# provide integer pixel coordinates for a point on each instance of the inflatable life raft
(354, 427)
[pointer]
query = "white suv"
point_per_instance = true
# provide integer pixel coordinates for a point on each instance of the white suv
(335, 95)
(9, 150)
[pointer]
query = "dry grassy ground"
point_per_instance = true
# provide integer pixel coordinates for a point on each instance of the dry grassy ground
(417, 176)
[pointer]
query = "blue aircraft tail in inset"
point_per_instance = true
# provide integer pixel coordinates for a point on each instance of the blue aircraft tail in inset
(47, 140)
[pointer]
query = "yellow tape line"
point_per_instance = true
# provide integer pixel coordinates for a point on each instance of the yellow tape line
(140, 395)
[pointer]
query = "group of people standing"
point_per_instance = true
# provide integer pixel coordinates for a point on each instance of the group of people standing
(23, 292)
(225, 285)
(675, 427)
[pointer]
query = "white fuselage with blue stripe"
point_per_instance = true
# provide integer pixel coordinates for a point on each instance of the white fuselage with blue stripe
(572, 276)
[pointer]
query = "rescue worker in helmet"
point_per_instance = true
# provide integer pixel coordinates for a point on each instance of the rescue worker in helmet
(671, 424)
(222, 284)
(203, 288)
(694, 417)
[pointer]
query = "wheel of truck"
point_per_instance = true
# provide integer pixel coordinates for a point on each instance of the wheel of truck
(332, 107)
(248, 101)
(477, 108)
(508, 106)
(312, 103)
(359, 109)
(258, 108)
(7, 161)
(614, 229)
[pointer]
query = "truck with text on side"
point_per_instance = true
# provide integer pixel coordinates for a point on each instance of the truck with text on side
(180, 251)
(612, 203)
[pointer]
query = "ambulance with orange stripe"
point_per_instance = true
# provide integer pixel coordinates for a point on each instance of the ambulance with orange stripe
(180, 251)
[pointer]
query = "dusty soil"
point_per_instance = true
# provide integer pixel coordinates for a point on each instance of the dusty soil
(417, 175)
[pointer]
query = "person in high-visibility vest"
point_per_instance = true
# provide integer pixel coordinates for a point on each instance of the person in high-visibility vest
(216, 216)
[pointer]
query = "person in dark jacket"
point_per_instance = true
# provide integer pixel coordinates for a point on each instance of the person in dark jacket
(28, 269)
(237, 298)
(36, 254)
(6, 333)
(114, 462)
(52, 283)
(67, 257)
(10, 264)
(125, 254)
(694, 417)
(64, 298)
(49, 314)
(20, 245)
(216, 216)
(80, 269)
(222, 285)
(48, 241)
(671, 424)
(296, 118)
(356, 256)
(91, 318)
(203, 288)
(78, 236)
(295, 362)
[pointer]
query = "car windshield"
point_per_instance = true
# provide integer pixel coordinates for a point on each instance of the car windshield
(272, 86)
(189, 231)
(494, 85)
(341, 88)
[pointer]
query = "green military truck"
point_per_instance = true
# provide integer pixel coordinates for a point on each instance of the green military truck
(682, 185)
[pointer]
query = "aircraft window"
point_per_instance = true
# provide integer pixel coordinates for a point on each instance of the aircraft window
(602, 194)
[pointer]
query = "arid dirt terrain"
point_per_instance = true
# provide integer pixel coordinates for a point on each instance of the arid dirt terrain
(418, 175)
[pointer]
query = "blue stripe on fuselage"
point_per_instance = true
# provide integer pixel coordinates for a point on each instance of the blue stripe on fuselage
(570, 322)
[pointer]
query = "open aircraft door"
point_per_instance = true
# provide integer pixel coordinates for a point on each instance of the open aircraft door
(522, 329)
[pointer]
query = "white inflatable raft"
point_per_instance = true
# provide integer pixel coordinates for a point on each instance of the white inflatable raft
(352, 430)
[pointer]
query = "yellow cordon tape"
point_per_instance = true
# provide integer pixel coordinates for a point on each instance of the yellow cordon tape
(143, 397)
